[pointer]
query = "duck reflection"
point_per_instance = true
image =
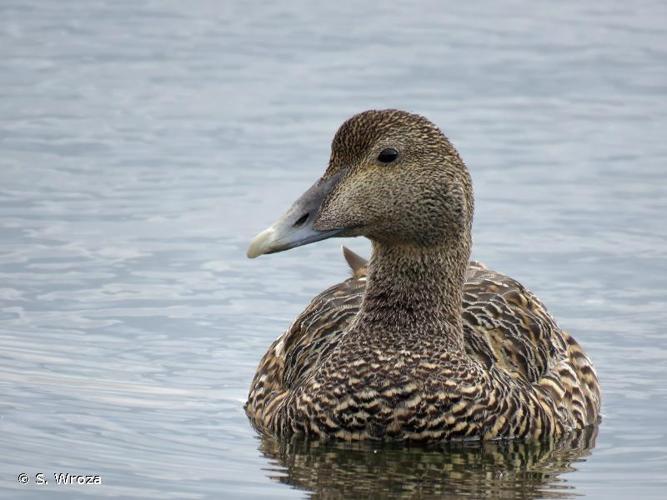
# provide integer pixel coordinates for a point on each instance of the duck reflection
(500, 469)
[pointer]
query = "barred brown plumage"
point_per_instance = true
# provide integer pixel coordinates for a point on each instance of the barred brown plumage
(421, 344)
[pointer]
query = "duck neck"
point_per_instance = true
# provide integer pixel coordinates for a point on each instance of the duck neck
(416, 291)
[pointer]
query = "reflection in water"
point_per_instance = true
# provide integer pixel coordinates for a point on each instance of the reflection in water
(507, 469)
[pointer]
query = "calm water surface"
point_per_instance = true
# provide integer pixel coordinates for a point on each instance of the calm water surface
(143, 143)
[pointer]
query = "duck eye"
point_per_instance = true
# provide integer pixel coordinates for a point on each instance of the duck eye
(387, 155)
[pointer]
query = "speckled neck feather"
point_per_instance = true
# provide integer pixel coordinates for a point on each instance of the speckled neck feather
(416, 291)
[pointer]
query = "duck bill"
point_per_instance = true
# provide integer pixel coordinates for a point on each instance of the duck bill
(295, 227)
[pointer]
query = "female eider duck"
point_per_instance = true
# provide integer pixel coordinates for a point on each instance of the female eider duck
(423, 345)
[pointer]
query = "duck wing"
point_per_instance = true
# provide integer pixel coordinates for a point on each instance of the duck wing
(299, 351)
(507, 326)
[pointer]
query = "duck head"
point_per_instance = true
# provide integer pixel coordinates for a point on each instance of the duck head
(392, 177)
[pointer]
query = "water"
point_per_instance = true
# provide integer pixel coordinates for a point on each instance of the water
(143, 143)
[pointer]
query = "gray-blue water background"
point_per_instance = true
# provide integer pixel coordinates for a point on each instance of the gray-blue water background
(143, 143)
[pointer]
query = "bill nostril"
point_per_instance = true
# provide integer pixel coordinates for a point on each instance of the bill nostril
(302, 220)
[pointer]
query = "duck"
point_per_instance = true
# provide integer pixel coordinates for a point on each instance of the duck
(420, 343)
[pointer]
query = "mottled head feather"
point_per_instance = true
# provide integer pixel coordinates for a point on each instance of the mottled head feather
(422, 198)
